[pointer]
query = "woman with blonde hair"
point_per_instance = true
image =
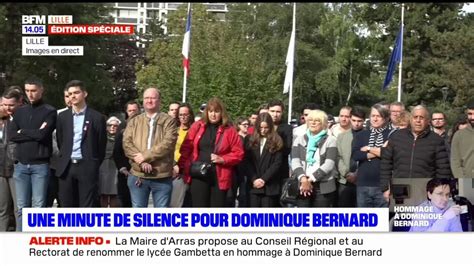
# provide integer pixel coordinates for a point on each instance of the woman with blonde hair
(313, 162)
(209, 153)
(403, 121)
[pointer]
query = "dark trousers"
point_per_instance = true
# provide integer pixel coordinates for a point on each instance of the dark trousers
(240, 192)
(206, 192)
(261, 200)
(123, 191)
(187, 203)
(53, 188)
(370, 197)
(79, 185)
(347, 195)
(316, 199)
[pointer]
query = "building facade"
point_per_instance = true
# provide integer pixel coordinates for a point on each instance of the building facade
(143, 13)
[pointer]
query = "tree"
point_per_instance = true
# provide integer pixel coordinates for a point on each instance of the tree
(436, 50)
(223, 64)
(341, 54)
(101, 66)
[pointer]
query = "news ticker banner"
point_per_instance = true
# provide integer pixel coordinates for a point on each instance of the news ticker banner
(61, 25)
(205, 220)
(230, 248)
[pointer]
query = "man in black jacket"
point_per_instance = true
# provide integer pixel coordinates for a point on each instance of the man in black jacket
(132, 108)
(415, 152)
(276, 109)
(82, 138)
(8, 208)
(31, 129)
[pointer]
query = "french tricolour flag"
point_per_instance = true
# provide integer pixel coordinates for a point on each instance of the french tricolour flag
(187, 42)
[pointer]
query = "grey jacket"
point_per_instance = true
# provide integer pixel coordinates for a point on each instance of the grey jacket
(462, 153)
(326, 174)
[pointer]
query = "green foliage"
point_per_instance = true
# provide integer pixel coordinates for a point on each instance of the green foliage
(436, 50)
(223, 64)
(102, 68)
(342, 52)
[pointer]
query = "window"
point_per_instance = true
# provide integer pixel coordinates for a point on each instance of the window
(127, 4)
(126, 20)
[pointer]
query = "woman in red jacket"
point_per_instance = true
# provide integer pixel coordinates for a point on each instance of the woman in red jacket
(213, 140)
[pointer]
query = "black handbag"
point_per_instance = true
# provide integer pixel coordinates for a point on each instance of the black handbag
(290, 191)
(200, 169)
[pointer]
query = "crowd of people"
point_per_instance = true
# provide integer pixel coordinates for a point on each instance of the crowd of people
(78, 157)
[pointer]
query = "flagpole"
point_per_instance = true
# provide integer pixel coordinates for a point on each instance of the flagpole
(185, 74)
(290, 100)
(399, 97)
(184, 85)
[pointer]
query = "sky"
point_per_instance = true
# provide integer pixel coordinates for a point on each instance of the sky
(468, 7)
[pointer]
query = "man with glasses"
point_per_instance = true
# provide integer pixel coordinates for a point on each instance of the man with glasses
(396, 108)
(438, 205)
(438, 126)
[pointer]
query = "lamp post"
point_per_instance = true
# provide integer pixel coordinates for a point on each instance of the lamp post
(445, 94)
(3, 77)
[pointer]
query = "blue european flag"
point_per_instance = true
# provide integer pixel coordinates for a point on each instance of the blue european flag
(394, 59)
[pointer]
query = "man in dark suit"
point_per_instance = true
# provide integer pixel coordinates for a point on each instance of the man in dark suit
(82, 138)
(285, 131)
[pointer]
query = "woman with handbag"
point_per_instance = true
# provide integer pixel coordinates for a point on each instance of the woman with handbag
(313, 162)
(263, 157)
(209, 153)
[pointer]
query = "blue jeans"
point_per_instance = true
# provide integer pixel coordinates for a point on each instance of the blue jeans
(370, 197)
(31, 184)
(160, 190)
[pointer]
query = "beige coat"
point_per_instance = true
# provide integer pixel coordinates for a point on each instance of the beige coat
(161, 154)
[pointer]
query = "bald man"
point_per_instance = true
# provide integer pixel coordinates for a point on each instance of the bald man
(149, 142)
(415, 152)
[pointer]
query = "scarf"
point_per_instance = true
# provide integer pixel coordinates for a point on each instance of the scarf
(376, 137)
(313, 142)
(110, 137)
